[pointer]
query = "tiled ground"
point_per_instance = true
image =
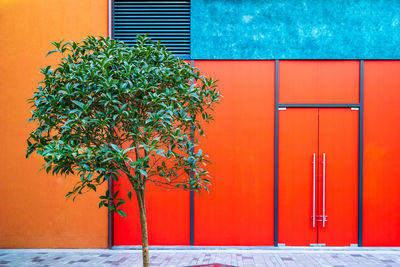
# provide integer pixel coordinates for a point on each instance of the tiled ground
(268, 257)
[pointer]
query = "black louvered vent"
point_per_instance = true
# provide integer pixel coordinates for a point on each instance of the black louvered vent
(165, 21)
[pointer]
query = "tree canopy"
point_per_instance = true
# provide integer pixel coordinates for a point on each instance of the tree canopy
(109, 109)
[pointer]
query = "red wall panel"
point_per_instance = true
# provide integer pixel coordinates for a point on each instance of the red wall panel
(381, 154)
(239, 208)
(318, 81)
(168, 214)
(167, 217)
(240, 142)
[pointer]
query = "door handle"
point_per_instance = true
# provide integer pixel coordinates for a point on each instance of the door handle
(313, 217)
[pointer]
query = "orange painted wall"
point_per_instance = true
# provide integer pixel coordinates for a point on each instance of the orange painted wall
(381, 153)
(34, 212)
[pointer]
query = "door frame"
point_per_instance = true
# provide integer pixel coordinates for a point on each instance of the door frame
(359, 106)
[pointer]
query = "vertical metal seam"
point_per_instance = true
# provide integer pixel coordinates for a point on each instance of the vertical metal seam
(191, 219)
(110, 228)
(276, 150)
(360, 154)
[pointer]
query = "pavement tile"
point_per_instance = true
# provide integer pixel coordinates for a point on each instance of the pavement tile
(179, 258)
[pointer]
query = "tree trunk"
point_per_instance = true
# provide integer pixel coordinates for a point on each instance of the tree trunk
(143, 225)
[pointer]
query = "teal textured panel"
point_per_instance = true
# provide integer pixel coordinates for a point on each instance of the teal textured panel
(295, 29)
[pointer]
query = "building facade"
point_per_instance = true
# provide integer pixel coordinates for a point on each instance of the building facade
(304, 146)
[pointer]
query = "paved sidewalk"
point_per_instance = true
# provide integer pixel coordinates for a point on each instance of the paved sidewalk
(233, 257)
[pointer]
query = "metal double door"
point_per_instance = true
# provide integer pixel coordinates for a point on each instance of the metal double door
(318, 176)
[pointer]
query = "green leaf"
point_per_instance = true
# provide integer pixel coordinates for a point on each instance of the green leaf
(142, 172)
(115, 147)
(51, 52)
(122, 213)
(79, 104)
(93, 187)
(128, 149)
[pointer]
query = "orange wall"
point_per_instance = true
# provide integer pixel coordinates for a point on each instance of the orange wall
(34, 212)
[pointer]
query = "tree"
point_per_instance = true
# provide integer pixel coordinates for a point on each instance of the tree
(110, 110)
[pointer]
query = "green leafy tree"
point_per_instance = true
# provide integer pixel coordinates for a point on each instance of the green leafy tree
(109, 110)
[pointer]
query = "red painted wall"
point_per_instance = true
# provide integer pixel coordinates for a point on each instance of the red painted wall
(381, 154)
(167, 217)
(240, 142)
(168, 214)
(239, 208)
(318, 81)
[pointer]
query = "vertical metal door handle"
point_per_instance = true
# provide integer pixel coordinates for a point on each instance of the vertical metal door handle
(313, 217)
(323, 192)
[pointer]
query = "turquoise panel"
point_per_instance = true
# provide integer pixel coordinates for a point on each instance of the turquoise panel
(295, 29)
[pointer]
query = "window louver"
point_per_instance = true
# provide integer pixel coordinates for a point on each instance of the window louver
(165, 21)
